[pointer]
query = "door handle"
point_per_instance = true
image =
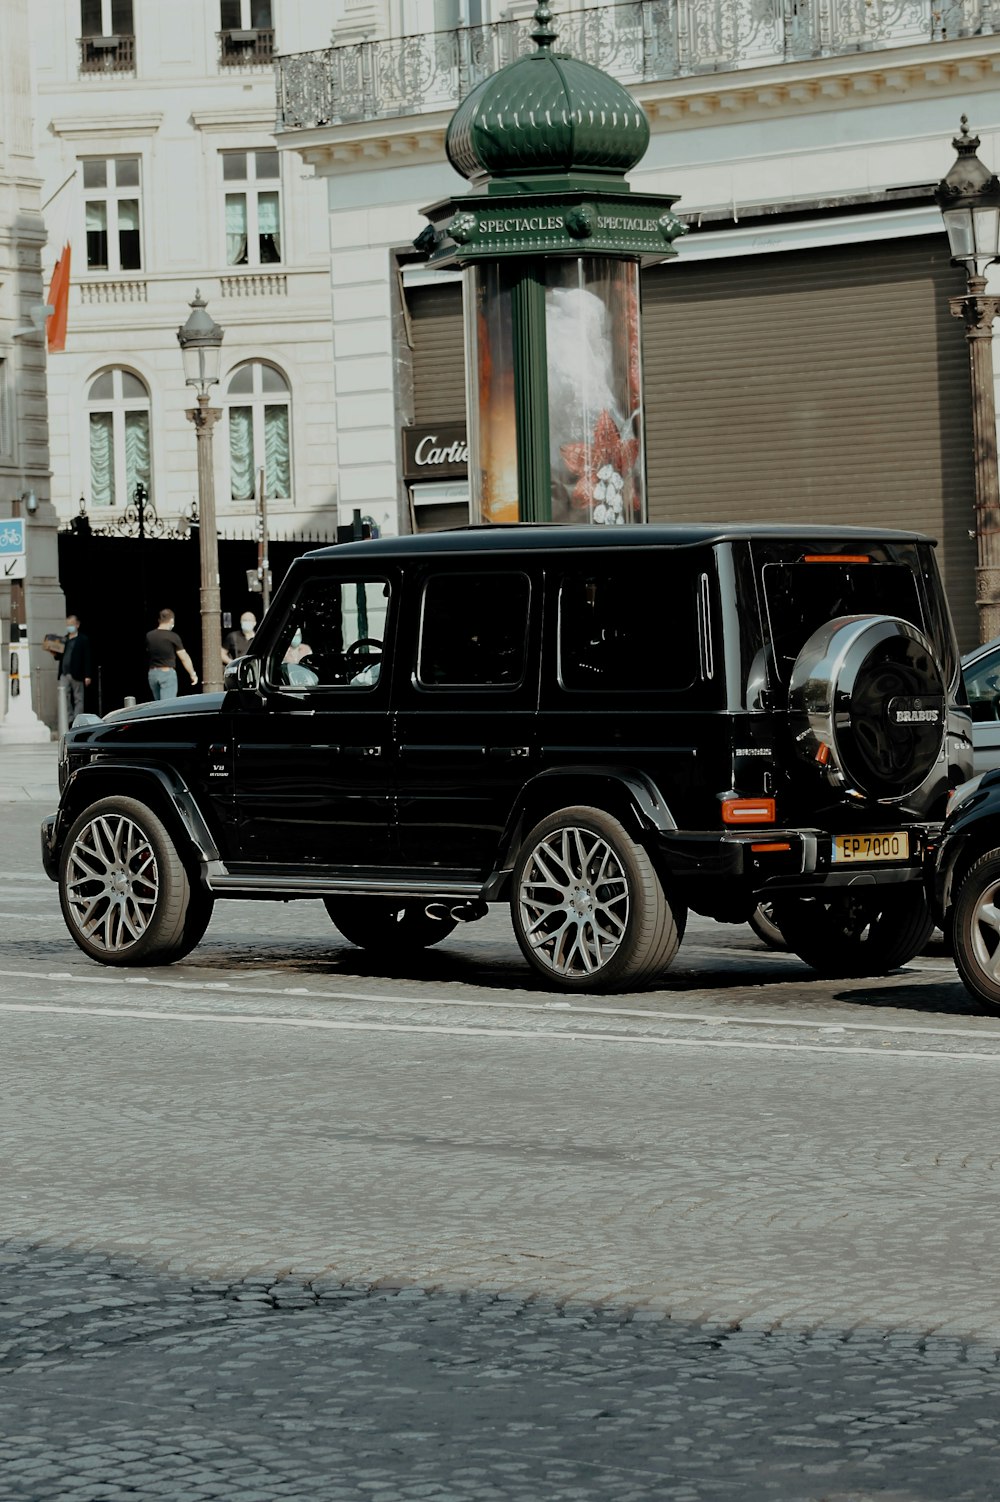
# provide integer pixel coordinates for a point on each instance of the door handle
(369, 752)
(508, 753)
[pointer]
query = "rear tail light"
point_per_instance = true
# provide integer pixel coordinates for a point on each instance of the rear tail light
(748, 811)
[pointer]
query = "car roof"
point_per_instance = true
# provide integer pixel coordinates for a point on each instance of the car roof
(516, 537)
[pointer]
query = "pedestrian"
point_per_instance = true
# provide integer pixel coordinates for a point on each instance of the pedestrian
(237, 643)
(164, 650)
(73, 652)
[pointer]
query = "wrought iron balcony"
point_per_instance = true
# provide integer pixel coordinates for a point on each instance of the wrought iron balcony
(636, 42)
(107, 54)
(246, 49)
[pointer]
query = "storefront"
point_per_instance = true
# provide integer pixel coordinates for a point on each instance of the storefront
(808, 384)
(436, 472)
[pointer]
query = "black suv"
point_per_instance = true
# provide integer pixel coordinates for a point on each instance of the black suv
(602, 728)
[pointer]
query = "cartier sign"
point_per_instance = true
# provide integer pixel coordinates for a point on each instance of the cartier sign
(436, 452)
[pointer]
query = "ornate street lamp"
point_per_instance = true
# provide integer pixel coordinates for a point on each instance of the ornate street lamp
(969, 200)
(200, 340)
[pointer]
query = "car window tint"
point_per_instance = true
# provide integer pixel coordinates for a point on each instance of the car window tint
(801, 597)
(332, 635)
(473, 631)
(633, 630)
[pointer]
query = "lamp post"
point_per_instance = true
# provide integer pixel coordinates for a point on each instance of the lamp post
(969, 200)
(200, 340)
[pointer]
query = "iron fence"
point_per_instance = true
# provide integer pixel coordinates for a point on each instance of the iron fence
(638, 41)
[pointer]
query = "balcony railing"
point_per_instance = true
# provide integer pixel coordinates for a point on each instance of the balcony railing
(246, 49)
(637, 42)
(110, 54)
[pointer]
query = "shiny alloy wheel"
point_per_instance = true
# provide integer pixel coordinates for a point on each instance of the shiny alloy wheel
(111, 882)
(574, 901)
(985, 932)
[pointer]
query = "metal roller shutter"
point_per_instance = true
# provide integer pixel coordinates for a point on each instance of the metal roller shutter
(830, 384)
(438, 352)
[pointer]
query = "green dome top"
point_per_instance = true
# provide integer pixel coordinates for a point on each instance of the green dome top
(546, 113)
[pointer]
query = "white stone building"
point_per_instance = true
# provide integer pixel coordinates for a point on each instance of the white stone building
(800, 357)
(154, 137)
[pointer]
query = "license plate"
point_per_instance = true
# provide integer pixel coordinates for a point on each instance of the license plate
(871, 847)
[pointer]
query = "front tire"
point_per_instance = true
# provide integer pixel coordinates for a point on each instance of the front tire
(975, 930)
(123, 888)
(854, 934)
(386, 924)
(588, 908)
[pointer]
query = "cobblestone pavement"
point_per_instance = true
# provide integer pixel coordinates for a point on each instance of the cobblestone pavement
(732, 1237)
(119, 1384)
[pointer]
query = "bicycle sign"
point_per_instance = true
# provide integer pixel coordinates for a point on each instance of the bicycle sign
(11, 536)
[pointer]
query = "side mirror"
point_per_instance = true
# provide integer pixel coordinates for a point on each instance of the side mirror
(242, 676)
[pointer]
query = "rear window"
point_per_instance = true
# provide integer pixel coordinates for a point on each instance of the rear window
(633, 631)
(801, 597)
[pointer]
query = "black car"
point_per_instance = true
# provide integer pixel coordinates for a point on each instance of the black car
(966, 885)
(603, 729)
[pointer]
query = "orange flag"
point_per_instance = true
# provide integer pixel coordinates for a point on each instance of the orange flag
(59, 300)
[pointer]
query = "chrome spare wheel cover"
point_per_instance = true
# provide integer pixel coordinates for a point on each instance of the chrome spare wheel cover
(574, 901)
(986, 932)
(112, 882)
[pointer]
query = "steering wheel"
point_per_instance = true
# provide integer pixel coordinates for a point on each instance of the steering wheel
(362, 641)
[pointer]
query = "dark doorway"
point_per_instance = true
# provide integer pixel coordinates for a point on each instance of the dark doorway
(117, 585)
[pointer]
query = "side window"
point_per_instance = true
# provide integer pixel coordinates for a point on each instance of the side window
(634, 630)
(333, 636)
(473, 631)
(982, 684)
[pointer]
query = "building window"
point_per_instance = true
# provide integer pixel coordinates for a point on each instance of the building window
(107, 36)
(111, 209)
(253, 207)
(246, 38)
(118, 404)
(258, 399)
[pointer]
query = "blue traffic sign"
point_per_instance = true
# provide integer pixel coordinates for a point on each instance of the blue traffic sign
(11, 536)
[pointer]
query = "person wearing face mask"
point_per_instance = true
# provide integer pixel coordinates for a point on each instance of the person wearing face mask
(237, 643)
(73, 652)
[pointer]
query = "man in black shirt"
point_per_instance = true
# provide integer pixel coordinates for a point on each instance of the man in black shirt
(164, 650)
(73, 652)
(237, 643)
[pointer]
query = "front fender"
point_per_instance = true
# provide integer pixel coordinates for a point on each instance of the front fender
(103, 779)
(970, 831)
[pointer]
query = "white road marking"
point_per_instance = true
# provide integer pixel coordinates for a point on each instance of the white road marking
(24, 876)
(241, 1019)
(725, 1019)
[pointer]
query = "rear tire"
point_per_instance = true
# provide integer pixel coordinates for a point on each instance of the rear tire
(123, 888)
(974, 931)
(763, 924)
(386, 923)
(588, 909)
(852, 934)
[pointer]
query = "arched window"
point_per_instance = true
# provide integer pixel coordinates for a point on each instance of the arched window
(118, 404)
(258, 399)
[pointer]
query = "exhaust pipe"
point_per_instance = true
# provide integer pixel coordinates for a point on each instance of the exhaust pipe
(462, 912)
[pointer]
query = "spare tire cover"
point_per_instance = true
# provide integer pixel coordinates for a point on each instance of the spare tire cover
(868, 688)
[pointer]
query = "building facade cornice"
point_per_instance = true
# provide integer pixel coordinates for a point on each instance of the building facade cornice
(238, 117)
(828, 83)
(96, 127)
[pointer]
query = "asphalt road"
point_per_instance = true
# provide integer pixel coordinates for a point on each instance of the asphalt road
(289, 1220)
